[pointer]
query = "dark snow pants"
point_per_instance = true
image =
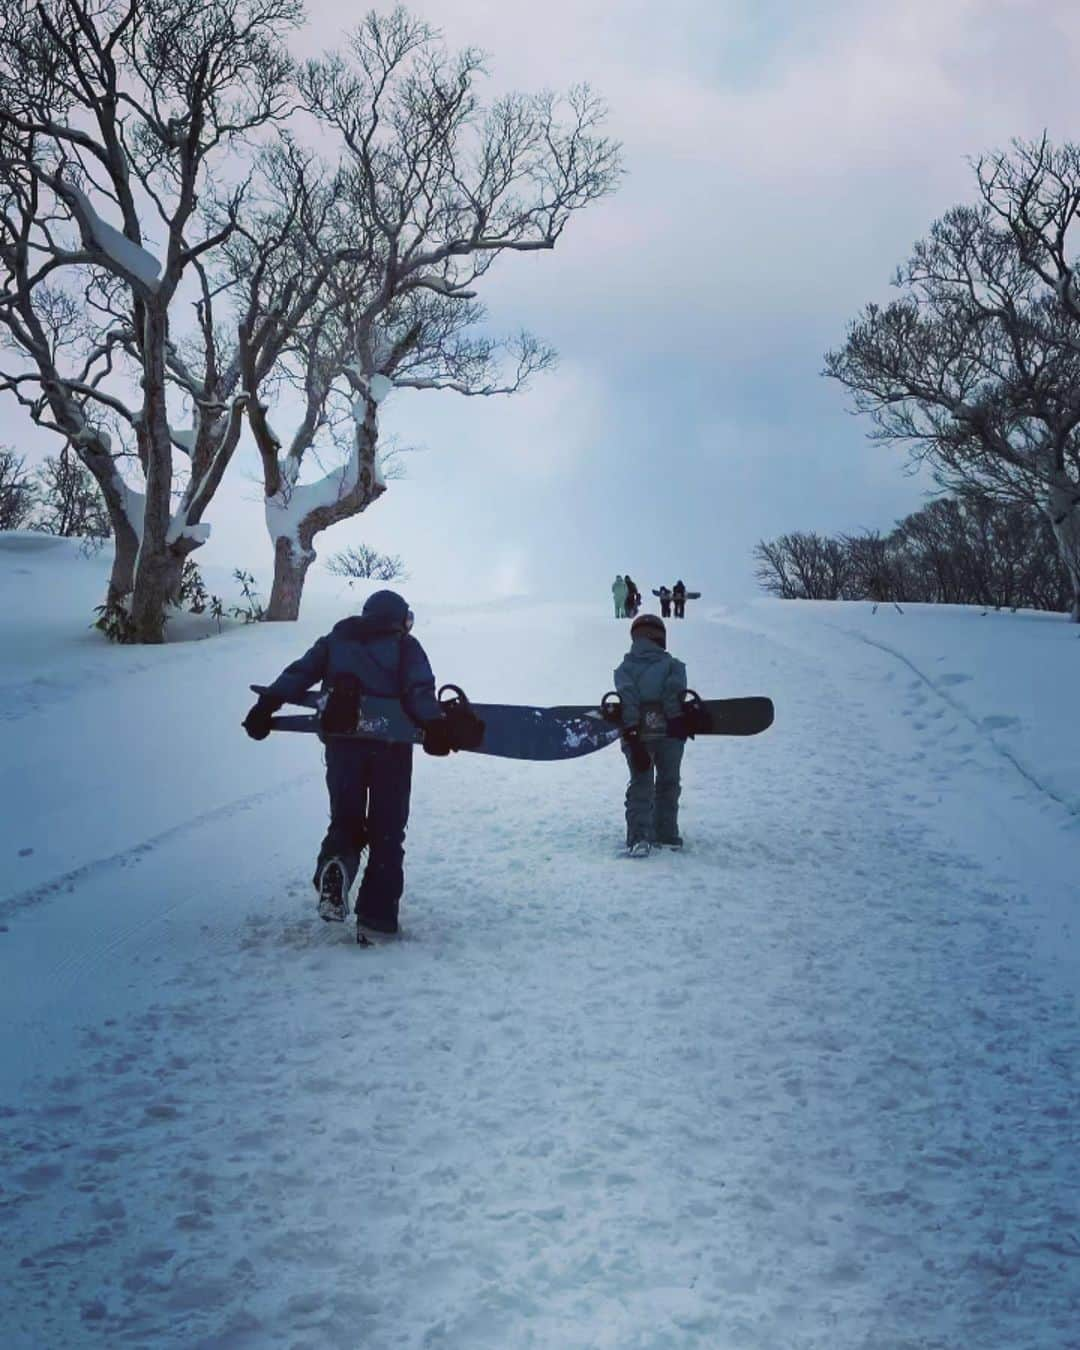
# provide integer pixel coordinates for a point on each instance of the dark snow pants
(370, 783)
(652, 796)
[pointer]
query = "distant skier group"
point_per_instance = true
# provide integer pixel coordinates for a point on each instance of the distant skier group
(672, 599)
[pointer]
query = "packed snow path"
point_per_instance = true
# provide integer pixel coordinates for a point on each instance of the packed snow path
(810, 1084)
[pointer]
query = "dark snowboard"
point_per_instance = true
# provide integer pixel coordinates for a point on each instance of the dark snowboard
(690, 595)
(515, 732)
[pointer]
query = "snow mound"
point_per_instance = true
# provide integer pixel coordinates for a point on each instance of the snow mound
(33, 541)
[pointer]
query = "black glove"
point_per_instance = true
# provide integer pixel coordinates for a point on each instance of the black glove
(639, 757)
(257, 722)
(437, 739)
(463, 727)
(679, 728)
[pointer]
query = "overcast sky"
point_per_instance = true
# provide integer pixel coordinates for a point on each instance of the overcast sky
(781, 158)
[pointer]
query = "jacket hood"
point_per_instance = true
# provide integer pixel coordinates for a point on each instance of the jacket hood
(645, 650)
(387, 606)
(384, 613)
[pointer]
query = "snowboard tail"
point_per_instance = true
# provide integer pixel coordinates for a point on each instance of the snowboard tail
(728, 716)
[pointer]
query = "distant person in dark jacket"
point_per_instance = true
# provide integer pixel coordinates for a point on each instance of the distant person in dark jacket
(678, 597)
(633, 596)
(369, 781)
(665, 601)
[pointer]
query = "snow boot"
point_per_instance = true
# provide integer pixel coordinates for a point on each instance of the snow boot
(674, 842)
(370, 934)
(333, 891)
(640, 849)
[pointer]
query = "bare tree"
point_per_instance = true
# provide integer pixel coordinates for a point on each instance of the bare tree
(931, 540)
(802, 566)
(976, 368)
(431, 190)
(772, 572)
(17, 491)
(69, 501)
(361, 562)
(129, 108)
(874, 570)
(1035, 191)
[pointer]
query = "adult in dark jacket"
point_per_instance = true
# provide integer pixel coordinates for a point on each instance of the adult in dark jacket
(665, 601)
(633, 596)
(369, 782)
(678, 597)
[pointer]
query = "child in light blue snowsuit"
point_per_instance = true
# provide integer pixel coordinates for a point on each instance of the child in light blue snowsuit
(650, 684)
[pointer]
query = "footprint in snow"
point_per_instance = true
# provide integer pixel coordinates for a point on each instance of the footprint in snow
(954, 679)
(999, 723)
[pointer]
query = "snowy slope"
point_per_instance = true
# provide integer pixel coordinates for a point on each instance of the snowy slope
(811, 1084)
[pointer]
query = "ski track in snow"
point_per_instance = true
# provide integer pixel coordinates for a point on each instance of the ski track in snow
(801, 1086)
(980, 725)
(69, 881)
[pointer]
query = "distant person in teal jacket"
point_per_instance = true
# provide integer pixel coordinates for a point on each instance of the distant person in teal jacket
(619, 594)
(650, 684)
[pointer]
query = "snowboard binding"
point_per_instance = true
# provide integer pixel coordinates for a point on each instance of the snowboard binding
(466, 729)
(698, 718)
(611, 711)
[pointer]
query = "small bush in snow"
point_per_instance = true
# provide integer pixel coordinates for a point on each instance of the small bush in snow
(252, 610)
(115, 621)
(363, 563)
(195, 597)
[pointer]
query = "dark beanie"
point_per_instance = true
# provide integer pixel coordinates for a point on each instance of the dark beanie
(651, 627)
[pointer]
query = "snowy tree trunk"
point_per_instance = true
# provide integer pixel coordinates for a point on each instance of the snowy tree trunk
(157, 573)
(291, 563)
(125, 555)
(297, 512)
(1063, 510)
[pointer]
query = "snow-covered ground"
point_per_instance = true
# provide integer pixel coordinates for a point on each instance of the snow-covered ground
(812, 1083)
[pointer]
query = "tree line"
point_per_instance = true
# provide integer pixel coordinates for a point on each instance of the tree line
(975, 367)
(59, 497)
(960, 550)
(200, 235)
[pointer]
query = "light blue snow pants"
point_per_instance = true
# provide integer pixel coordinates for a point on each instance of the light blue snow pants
(652, 796)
